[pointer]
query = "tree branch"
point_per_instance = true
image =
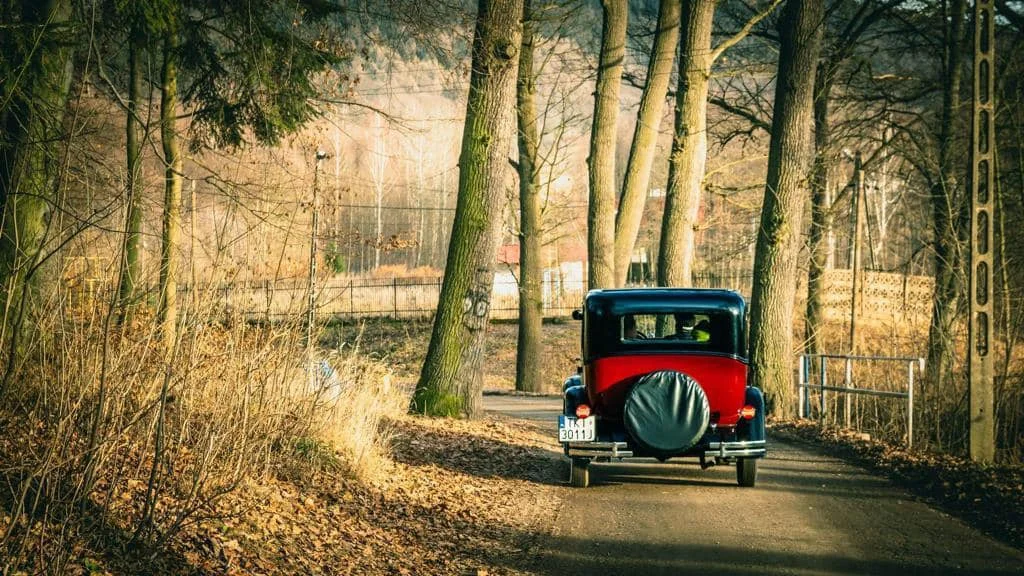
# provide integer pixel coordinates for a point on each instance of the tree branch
(737, 37)
(756, 121)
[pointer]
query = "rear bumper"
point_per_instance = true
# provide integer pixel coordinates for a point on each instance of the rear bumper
(599, 449)
(713, 449)
(736, 449)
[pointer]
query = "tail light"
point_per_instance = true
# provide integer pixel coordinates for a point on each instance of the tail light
(748, 412)
(582, 411)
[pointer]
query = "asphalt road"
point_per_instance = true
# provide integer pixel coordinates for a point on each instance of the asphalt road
(809, 514)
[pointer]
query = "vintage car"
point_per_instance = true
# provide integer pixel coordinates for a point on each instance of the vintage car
(663, 375)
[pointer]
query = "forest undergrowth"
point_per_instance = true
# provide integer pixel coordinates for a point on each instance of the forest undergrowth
(226, 454)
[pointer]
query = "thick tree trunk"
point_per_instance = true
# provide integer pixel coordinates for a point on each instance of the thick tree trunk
(645, 137)
(821, 215)
(451, 380)
(168, 310)
(601, 163)
(130, 272)
(779, 236)
(689, 146)
(29, 165)
(946, 215)
(531, 304)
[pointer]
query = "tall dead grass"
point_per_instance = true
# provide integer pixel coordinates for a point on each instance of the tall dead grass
(104, 442)
(940, 415)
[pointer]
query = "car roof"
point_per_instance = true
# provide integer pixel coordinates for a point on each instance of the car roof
(620, 301)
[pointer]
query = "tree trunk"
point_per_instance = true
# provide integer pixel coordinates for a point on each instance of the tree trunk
(947, 230)
(821, 214)
(28, 163)
(601, 163)
(168, 311)
(645, 137)
(689, 147)
(531, 304)
(779, 236)
(130, 272)
(451, 380)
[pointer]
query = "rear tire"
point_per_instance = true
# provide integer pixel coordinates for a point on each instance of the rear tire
(579, 472)
(746, 472)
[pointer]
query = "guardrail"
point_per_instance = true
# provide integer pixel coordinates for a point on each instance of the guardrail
(822, 386)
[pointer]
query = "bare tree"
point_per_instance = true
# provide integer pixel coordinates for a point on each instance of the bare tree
(779, 236)
(690, 142)
(531, 304)
(838, 48)
(601, 163)
(130, 270)
(379, 174)
(34, 102)
(948, 207)
(645, 136)
(450, 382)
(168, 309)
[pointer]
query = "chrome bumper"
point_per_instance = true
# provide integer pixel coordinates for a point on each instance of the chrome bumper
(747, 449)
(599, 449)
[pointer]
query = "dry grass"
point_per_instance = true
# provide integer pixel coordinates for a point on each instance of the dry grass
(104, 437)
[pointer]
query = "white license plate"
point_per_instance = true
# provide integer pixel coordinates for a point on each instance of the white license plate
(571, 429)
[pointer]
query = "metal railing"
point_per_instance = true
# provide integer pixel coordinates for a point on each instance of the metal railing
(822, 386)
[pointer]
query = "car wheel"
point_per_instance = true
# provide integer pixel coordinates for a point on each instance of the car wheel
(746, 471)
(579, 472)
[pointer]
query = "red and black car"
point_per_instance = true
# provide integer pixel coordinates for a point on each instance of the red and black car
(664, 375)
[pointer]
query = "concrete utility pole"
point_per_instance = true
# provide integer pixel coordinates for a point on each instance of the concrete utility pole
(857, 283)
(980, 332)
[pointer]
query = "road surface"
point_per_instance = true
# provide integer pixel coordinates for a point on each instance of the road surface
(809, 514)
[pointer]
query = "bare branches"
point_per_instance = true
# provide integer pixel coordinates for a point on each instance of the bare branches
(744, 31)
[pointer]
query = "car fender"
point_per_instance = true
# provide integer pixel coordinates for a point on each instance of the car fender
(574, 396)
(753, 429)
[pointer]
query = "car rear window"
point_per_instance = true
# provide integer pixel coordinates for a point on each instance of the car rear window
(679, 330)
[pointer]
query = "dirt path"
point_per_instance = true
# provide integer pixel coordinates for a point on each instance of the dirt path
(809, 514)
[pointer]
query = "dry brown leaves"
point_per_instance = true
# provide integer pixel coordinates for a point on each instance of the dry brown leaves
(989, 497)
(459, 497)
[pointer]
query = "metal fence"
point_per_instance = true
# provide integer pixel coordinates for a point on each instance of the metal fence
(817, 367)
(349, 298)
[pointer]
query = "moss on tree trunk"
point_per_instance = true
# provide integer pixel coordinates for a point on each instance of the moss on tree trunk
(451, 381)
(130, 271)
(29, 165)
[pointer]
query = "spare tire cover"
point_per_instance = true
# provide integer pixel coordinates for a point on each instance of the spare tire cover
(666, 411)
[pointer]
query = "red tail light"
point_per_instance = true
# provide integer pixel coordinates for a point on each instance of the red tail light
(582, 411)
(748, 412)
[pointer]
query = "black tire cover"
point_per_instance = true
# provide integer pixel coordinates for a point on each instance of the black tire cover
(666, 411)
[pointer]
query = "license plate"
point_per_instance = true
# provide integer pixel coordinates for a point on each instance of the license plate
(571, 429)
